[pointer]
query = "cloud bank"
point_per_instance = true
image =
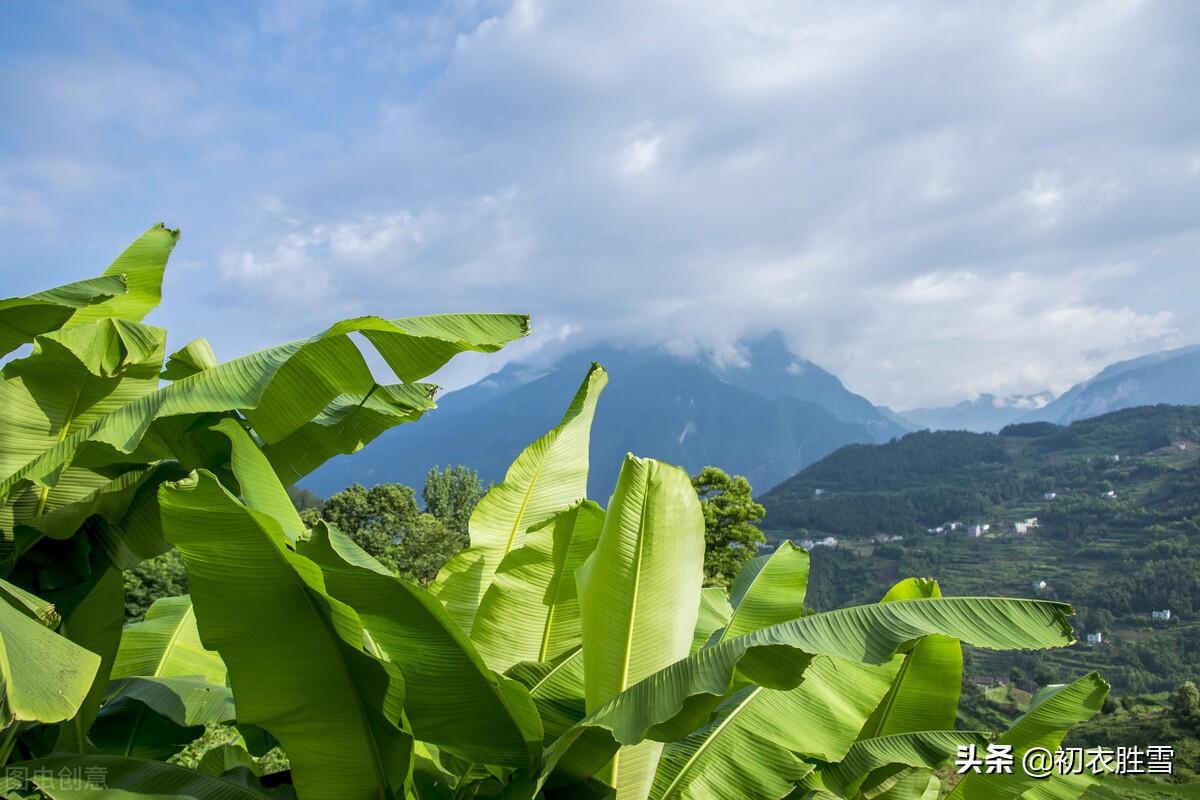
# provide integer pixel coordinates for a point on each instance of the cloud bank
(932, 201)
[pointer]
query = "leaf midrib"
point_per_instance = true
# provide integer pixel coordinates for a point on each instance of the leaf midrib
(708, 741)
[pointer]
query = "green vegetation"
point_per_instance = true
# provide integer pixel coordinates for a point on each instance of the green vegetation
(569, 651)
(1120, 537)
(730, 513)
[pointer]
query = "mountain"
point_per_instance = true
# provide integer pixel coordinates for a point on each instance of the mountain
(1171, 376)
(985, 414)
(766, 419)
(1117, 503)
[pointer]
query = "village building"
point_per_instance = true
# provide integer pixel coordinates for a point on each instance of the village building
(1094, 639)
(1162, 616)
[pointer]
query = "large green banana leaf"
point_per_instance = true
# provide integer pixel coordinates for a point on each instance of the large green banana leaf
(557, 690)
(22, 319)
(296, 656)
(770, 589)
(102, 777)
(74, 378)
(157, 717)
(141, 266)
(1053, 711)
(679, 698)
(923, 697)
(166, 644)
(92, 615)
(531, 610)
(548, 476)
(129, 289)
(280, 390)
(918, 750)
(98, 359)
(639, 597)
(754, 743)
(44, 677)
(195, 356)
(453, 700)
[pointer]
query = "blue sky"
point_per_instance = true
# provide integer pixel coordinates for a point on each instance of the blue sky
(932, 201)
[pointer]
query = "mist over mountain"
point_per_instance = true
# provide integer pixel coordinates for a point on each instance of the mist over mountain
(985, 414)
(767, 416)
(1170, 376)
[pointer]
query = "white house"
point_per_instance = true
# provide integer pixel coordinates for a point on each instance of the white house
(1021, 527)
(818, 492)
(807, 544)
(1031, 522)
(1110, 494)
(1039, 585)
(1049, 495)
(828, 541)
(1094, 639)
(1164, 615)
(954, 525)
(978, 530)
(1116, 457)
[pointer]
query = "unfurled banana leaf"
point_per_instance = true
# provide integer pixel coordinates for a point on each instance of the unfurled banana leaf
(639, 597)
(770, 589)
(755, 741)
(453, 700)
(863, 771)
(296, 656)
(102, 777)
(1052, 712)
(44, 677)
(279, 389)
(531, 610)
(22, 319)
(141, 267)
(157, 717)
(73, 380)
(195, 356)
(677, 700)
(166, 644)
(925, 695)
(557, 690)
(549, 476)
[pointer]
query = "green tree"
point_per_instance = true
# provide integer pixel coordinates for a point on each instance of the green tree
(1185, 706)
(426, 546)
(730, 513)
(451, 494)
(304, 499)
(376, 518)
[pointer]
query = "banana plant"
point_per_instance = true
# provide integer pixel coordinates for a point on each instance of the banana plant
(570, 651)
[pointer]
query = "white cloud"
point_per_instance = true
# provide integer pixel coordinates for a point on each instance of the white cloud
(931, 200)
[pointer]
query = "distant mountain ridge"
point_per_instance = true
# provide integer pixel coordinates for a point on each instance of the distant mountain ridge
(985, 414)
(767, 418)
(1170, 376)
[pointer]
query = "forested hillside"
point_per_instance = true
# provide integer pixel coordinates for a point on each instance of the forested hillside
(1117, 506)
